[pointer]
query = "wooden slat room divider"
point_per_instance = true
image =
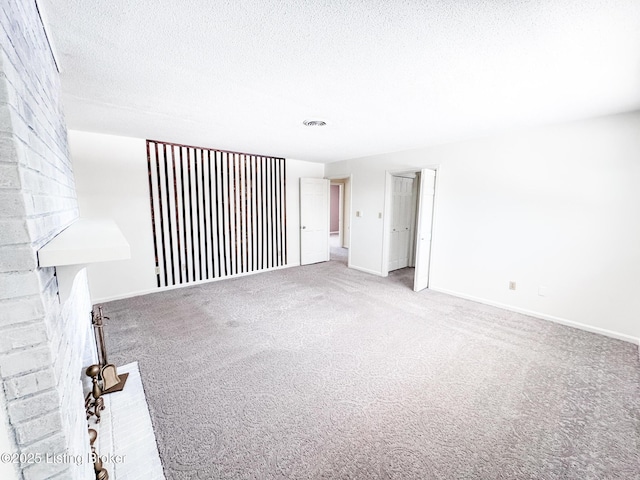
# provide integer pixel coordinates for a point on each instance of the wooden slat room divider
(215, 213)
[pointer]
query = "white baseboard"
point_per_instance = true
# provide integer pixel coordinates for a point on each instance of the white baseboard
(138, 293)
(366, 270)
(543, 316)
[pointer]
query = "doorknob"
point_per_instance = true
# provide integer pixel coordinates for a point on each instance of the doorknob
(304, 227)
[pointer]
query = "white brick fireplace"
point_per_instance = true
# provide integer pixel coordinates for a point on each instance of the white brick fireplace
(44, 343)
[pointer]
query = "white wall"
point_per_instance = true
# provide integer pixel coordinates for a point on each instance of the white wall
(557, 207)
(112, 181)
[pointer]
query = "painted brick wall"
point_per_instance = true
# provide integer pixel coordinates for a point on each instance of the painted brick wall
(43, 343)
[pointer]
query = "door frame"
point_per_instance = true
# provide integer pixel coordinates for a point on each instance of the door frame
(342, 215)
(386, 223)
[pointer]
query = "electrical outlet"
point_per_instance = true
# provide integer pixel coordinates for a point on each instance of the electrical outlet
(512, 285)
(542, 291)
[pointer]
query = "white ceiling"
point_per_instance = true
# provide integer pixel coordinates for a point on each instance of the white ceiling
(386, 75)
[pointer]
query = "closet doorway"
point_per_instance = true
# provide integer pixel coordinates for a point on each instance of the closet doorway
(404, 196)
(409, 203)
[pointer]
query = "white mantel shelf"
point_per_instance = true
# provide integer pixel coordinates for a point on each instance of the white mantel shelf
(83, 242)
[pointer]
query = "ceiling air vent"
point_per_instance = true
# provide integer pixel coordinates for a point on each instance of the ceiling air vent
(314, 123)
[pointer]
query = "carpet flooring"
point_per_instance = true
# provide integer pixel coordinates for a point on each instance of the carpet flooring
(323, 372)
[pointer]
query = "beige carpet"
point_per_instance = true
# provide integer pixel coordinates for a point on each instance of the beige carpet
(325, 372)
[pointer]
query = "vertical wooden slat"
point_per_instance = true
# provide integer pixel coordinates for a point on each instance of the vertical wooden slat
(236, 229)
(231, 208)
(177, 213)
(222, 230)
(198, 219)
(237, 255)
(276, 181)
(184, 201)
(274, 216)
(265, 213)
(169, 280)
(265, 216)
(274, 209)
(198, 251)
(222, 269)
(259, 208)
(229, 218)
(271, 235)
(184, 173)
(206, 235)
(283, 206)
(212, 225)
(278, 210)
(242, 166)
(250, 213)
(153, 218)
(180, 214)
(239, 211)
(204, 216)
(160, 225)
(171, 224)
(259, 214)
(255, 212)
(190, 209)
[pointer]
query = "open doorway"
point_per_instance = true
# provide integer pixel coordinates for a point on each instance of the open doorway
(409, 202)
(404, 205)
(339, 219)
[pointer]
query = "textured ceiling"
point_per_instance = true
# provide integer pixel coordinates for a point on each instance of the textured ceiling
(386, 75)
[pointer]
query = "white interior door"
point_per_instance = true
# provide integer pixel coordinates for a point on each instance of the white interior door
(314, 220)
(423, 229)
(402, 218)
